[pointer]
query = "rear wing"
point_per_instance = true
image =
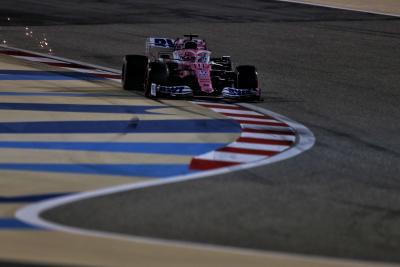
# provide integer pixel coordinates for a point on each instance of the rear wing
(159, 47)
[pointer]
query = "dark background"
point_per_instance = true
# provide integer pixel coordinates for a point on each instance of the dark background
(337, 72)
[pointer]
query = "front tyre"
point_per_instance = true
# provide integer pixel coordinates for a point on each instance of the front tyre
(158, 75)
(135, 72)
(246, 77)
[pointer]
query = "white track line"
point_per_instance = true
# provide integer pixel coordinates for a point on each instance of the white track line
(31, 213)
(305, 140)
(39, 59)
(342, 8)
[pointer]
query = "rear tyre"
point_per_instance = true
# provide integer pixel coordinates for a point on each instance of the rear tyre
(135, 71)
(159, 75)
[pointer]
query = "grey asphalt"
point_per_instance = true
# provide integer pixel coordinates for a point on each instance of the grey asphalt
(337, 72)
(30, 264)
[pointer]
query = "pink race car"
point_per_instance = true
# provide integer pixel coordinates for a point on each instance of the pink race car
(184, 68)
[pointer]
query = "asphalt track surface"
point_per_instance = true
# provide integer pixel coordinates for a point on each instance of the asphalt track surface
(337, 72)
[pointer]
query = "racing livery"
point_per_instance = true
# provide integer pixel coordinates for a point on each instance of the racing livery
(184, 68)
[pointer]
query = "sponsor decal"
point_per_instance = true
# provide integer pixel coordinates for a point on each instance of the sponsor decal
(164, 42)
(173, 90)
(228, 91)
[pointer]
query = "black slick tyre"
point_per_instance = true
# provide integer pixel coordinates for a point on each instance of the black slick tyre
(158, 74)
(135, 72)
(246, 77)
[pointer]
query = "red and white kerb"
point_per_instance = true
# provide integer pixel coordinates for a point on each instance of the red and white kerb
(262, 136)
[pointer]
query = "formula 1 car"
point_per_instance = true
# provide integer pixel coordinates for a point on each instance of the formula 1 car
(184, 68)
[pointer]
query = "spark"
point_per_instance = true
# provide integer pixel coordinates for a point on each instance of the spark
(39, 38)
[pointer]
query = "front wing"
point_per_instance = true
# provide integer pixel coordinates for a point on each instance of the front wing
(185, 91)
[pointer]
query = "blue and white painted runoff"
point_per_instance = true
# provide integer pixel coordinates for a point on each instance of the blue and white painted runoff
(68, 132)
(60, 121)
(57, 122)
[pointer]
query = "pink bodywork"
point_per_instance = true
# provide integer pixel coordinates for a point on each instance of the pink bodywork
(197, 62)
(180, 44)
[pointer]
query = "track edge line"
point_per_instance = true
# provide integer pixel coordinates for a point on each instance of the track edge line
(342, 8)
